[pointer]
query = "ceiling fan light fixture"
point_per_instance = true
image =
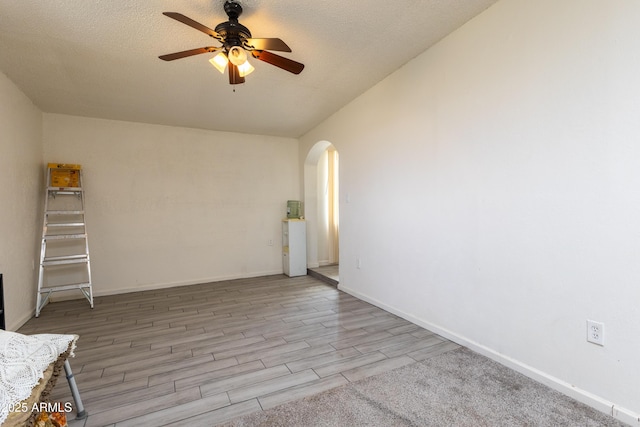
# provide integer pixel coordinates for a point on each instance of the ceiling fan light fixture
(237, 55)
(220, 62)
(245, 69)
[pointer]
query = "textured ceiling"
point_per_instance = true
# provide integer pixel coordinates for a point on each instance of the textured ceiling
(99, 58)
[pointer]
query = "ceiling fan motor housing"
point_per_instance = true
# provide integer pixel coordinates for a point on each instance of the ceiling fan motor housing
(233, 33)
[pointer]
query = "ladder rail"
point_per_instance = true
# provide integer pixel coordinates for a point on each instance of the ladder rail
(88, 296)
(43, 248)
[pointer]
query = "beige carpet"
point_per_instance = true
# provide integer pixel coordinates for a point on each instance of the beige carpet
(458, 388)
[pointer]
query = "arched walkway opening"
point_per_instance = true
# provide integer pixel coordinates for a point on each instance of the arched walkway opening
(321, 190)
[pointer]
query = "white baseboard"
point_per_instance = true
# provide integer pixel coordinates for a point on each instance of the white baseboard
(14, 326)
(325, 263)
(622, 414)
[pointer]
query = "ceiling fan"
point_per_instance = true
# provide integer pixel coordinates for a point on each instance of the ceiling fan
(236, 41)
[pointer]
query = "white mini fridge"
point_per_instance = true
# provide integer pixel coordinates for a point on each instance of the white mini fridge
(294, 247)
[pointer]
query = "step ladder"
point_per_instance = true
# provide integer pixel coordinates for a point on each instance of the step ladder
(64, 255)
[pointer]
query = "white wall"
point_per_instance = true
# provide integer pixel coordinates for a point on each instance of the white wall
(21, 200)
(491, 190)
(169, 206)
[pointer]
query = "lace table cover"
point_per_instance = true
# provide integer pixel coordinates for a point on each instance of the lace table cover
(23, 360)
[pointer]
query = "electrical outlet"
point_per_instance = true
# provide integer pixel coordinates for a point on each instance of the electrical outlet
(270, 242)
(595, 332)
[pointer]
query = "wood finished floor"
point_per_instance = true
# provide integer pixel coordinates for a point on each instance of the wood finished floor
(204, 354)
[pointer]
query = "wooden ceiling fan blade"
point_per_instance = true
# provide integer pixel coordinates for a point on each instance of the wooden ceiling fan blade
(193, 24)
(268, 44)
(234, 75)
(187, 53)
(279, 61)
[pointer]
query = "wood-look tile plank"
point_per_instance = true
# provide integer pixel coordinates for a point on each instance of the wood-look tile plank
(279, 359)
(89, 395)
(385, 324)
(263, 327)
(223, 415)
(209, 343)
(85, 384)
(361, 339)
(100, 403)
(126, 363)
(86, 376)
(348, 364)
(153, 313)
(301, 391)
(300, 333)
(270, 386)
(166, 366)
(127, 333)
(317, 304)
(136, 409)
(195, 308)
(281, 349)
(366, 321)
(305, 315)
(177, 413)
(376, 368)
(243, 380)
(330, 320)
(250, 349)
(173, 374)
(182, 320)
(193, 339)
(273, 311)
(165, 337)
(434, 350)
(422, 333)
(208, 377)
(384, 343)
(408, 347)
(337, 335)
(84, 356)
(111, 364)
(222, 346)
(322, 359)
(404, 329)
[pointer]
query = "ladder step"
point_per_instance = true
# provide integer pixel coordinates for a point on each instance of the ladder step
(62, 260)
(64, 236)
(48, 289)
(64, 212)
(66, 193)
(65, 224)
(65, 189)
(76, 256)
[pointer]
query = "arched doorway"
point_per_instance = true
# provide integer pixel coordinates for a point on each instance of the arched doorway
(321, 189)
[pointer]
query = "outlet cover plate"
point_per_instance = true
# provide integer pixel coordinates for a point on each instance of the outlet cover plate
(595, 332)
